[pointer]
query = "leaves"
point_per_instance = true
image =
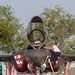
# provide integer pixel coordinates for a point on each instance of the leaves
(10, 27)
(60, 25)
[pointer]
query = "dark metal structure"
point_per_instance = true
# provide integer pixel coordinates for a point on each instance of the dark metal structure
(34, 55)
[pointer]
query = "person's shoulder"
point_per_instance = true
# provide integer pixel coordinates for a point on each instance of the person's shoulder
(55, 45)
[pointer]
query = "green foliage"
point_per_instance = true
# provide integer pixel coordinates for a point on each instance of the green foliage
(10, 27)
(69, 46)
(60, 25)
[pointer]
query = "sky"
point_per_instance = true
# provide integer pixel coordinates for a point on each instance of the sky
(26, 9)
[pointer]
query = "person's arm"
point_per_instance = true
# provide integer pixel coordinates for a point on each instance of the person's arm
(49, 48)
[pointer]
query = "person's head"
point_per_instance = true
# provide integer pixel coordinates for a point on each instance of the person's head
(52, 44)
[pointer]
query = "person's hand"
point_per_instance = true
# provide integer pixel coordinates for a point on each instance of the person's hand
(45, 47)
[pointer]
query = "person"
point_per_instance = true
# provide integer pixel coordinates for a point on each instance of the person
(54, 50)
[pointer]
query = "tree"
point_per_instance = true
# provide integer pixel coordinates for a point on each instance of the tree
(60, 25)
(69, 46)
(10, 28)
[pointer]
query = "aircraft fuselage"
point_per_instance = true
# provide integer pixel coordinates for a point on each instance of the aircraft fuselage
(37, 56)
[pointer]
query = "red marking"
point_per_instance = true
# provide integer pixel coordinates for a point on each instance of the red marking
(19, 61)
(10, 70)
(35, 72)
(21, 65)
(58, 58)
